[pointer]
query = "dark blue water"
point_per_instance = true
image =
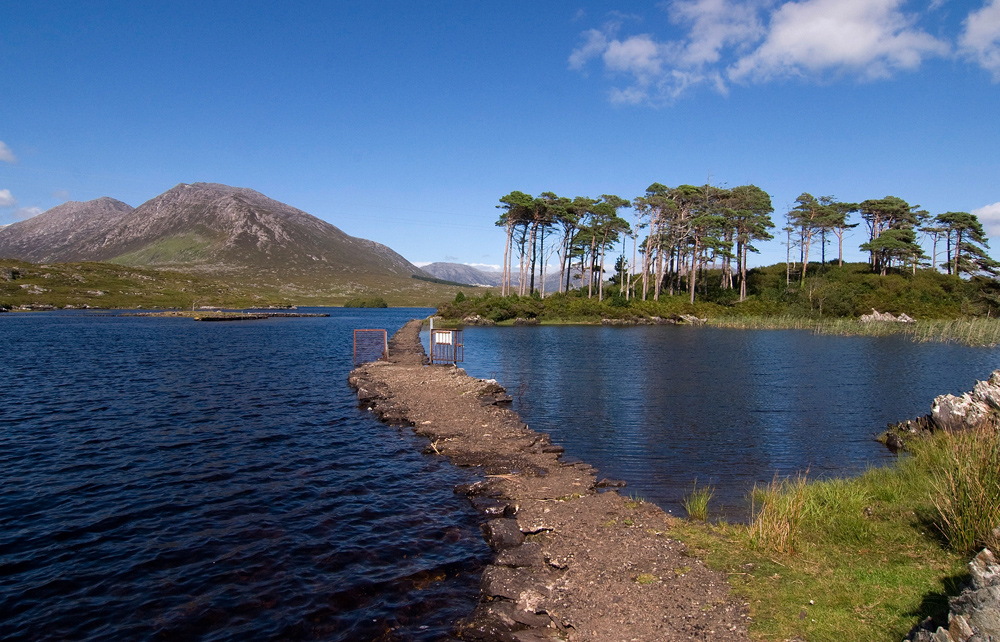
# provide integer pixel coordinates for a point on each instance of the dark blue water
(163, 479)
(662, 406)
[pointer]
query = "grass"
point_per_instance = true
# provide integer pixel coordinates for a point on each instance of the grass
(967, 491)
(862, 558)
(696, 502)
(776, 511)
(114, 286)
(973, 331)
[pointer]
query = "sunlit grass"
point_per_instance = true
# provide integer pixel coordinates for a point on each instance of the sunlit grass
(977, 331)
(696, 502)
(861, 558)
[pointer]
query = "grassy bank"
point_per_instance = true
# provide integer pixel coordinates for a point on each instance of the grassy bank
(864, 558)
(574, 308)
(974, 331)
(109, 285)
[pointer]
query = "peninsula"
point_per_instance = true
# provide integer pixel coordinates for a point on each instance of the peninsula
(574, 559)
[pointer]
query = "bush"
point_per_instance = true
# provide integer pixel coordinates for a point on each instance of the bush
(361, 302)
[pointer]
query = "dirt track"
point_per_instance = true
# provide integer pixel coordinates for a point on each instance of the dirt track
(573, 561)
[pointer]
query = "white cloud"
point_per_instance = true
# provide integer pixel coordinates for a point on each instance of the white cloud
(595, 42)
(871, 38)
(980, 39)
(6, 155)
(724, 41)
(989, 216)
(7, 199)
(715, 25)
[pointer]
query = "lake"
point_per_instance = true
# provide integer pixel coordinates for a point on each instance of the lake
(164, 479)
(662, 406)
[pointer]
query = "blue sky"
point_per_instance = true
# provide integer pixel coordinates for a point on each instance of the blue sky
(404, 122)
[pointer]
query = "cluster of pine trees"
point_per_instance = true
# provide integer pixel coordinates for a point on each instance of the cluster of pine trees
(690, 229)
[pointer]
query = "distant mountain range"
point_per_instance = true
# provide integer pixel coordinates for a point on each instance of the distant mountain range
(461, 273)
(207, 226)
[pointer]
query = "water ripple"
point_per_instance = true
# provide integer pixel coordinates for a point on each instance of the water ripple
(164, 480)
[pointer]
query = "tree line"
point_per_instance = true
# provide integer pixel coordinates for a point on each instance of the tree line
(691, 229)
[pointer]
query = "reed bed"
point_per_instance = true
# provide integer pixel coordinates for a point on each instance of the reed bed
(972, 331)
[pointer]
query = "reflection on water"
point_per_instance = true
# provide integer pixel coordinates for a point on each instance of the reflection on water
(171, 480)
(661, 406)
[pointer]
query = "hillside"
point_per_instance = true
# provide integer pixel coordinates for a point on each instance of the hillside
(203, 224)
(221, 232)
(73, 231)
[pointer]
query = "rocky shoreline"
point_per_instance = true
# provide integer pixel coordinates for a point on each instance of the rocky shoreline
(979, 408)
(573, 559)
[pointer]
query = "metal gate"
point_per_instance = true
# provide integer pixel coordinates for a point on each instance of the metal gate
(370, 345)
(447, 346)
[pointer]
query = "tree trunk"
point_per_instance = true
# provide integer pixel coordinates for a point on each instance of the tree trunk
(505, 279)
(590, 271)
(694, 268)
(958, 249)
(743, 274)
(806, 242)
(600, 274)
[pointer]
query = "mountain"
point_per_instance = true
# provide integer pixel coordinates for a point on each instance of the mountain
(212, 227)
(65, 233)
(462, 273)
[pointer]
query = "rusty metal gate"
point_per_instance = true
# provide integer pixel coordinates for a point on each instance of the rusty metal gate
(447, 346)
(370, 345)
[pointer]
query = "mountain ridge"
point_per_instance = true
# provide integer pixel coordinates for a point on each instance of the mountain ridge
(204, 226)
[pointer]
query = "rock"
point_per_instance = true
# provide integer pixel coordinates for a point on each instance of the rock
(502, 533)
(612, 483)
(977, 409)
(956, 413)
(490, 622)
(522, 321)
(506, 582)
(884, 317)
(975, 612)
(495, 398)
(692, 319)
(527, 554)
(989, 391)
(493, 507)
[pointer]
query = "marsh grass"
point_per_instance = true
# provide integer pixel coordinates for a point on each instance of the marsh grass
(977, 331)
(966, 490)
(776, 512)
(696, 502)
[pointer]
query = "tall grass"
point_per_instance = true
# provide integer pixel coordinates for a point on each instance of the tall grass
(696, 502)
(777, 510)
(977, 331)
(967, 490)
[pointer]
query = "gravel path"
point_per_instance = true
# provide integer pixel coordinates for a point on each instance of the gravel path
(574, 560)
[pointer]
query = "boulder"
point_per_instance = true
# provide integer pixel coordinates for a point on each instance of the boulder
(956, 413)
(975, 613)
(502, 533)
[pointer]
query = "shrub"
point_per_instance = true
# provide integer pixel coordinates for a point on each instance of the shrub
(361, 302)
